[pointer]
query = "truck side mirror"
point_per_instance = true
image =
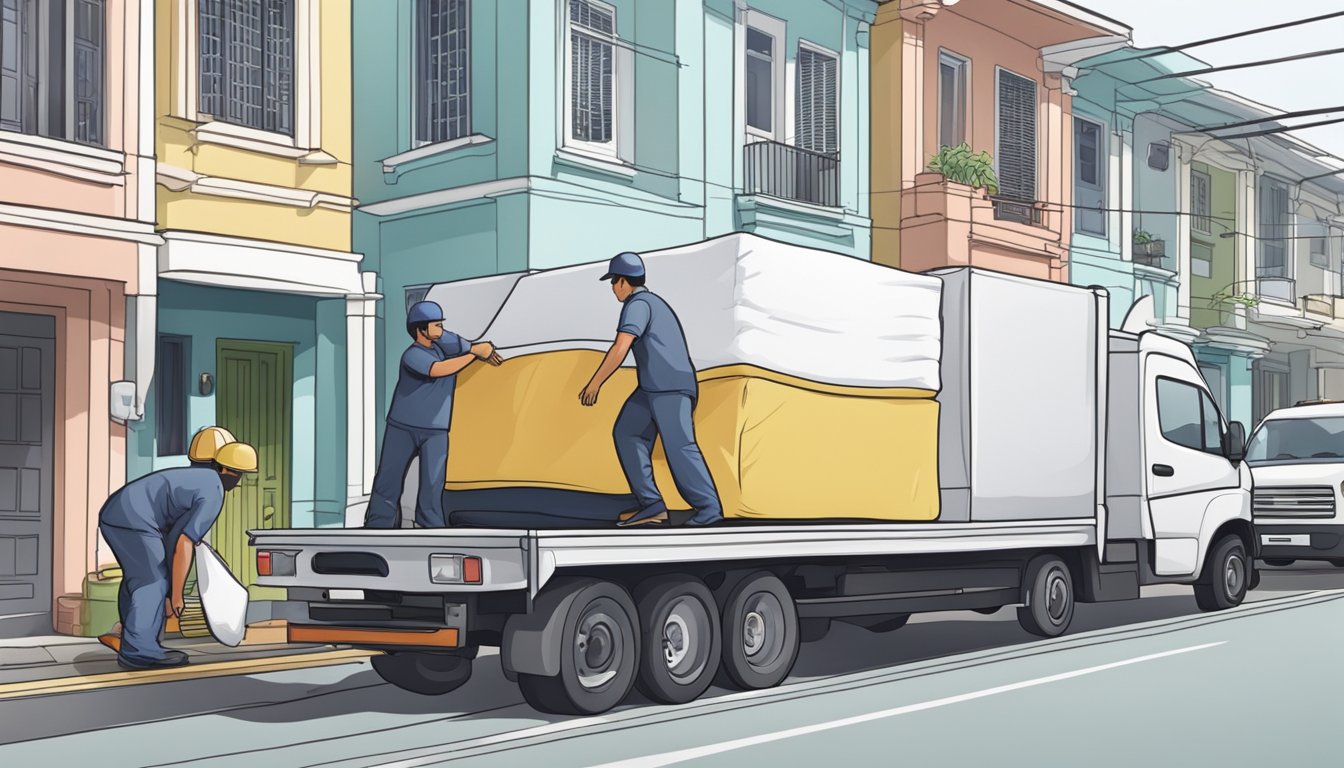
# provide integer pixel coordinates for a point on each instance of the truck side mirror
(1236, 441)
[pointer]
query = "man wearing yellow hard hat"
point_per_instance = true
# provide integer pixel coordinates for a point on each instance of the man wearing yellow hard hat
(153, 525)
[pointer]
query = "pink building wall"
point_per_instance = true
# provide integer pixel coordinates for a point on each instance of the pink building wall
(72, 247)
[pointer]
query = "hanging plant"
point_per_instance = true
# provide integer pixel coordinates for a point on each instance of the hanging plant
(962, 165)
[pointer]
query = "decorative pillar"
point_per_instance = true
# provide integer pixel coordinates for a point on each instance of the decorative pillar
(361, 394)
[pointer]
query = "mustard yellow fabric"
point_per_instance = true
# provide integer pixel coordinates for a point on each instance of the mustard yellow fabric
(778, 447)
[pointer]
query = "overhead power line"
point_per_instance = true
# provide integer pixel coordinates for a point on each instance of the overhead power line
(1244, 65)
(1283, 129)
(1271, 118)
(1165, 49)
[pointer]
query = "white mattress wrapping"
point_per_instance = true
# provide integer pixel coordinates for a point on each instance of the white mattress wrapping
(741, 300)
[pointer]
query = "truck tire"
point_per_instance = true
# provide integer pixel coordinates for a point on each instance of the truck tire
(599, 655)
(679, 638)
(1226, 576)
(1048, 589)
(425, 673)
(760, 634)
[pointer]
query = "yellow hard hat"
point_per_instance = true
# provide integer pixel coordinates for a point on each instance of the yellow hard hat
(240, 457)
(207, 442)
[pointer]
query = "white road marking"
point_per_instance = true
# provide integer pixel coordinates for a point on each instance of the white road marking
(681, 756)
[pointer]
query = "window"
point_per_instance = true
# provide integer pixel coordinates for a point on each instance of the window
(1089, 141)
(592, 74)
(170, 392)
(1274, 226)
(247, 63)
(1201, 202)
(953, 74)
(52, 76)
(1299, 441)
(1016, 142)
(1187, 416)
(818, 105)
(760, 80)
(1201, 259)
(1318, 246)
(442, 70)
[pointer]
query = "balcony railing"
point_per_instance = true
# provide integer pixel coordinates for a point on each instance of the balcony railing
(1018, 211)
(791, 173)
(1318, 304)
(1278, 289)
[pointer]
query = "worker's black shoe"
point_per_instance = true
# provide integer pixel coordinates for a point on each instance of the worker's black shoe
(170, 659)
(701, 522)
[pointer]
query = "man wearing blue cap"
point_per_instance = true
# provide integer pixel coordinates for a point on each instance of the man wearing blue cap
(662, 404)
(420, 416)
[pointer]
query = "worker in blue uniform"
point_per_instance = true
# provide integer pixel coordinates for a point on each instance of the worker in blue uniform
(662, 404)
(201, 453)
(153, 525)
(420, 417)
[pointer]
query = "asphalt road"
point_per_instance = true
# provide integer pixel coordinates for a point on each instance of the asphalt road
(1152, 682)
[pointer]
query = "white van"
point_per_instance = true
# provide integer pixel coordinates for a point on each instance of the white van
(1296, 457)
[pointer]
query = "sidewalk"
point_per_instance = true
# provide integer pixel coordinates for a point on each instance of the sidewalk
(37, 666)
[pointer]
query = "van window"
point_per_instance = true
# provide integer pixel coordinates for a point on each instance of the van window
(1319, 440)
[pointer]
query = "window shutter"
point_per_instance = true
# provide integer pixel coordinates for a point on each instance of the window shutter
(11, 69)
(278, 92)
(1273, 203)
(1017, 137)
(818, 119)
(443, 66)
(243, 56)
(88, 54)
(592, 64)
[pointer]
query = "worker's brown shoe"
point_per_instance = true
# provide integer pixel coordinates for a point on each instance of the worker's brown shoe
(111, 640)
(624, 520)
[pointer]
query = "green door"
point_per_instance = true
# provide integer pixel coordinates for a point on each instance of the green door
(253, 398)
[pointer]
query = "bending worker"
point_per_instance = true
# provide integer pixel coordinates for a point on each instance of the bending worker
(419, 418)
(204, 446)
(662, 404)
(153, 525)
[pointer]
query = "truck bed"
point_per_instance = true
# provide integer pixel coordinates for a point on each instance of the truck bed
(516, 559)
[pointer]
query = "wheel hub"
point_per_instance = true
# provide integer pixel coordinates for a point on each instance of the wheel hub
(597, 649)
(753, 633)
(1057, 598)
(1235, 575)
(676, 641)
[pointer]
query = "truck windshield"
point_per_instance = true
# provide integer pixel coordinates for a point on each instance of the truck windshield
(1297, 440)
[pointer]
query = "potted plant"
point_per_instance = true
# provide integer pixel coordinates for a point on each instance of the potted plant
(962, 165)
(1148, 250)
(1240, 303)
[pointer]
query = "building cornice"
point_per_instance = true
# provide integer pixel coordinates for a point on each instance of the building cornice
(182, 180)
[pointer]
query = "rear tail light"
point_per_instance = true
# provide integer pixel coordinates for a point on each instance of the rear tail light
(454, 569)
(263, 563)
(271, 563)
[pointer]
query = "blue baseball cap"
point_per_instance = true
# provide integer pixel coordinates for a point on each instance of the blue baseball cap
(424, 312)
(626, 264)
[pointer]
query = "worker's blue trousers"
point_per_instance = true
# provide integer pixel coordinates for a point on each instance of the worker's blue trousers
(400, 445)
(144, 588)
(650, 415)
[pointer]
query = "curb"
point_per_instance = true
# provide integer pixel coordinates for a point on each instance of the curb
(195, 671)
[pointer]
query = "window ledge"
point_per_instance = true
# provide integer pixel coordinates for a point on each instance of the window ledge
(433, 151)
(65, 158)
(240, 137)
(591, 161)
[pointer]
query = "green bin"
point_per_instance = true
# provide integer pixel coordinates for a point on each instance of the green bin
(99, 611)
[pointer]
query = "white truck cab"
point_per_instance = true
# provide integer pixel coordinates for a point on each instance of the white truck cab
(1297, 458)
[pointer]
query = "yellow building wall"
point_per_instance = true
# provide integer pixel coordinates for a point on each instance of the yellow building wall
(321, 225)
(886, 130)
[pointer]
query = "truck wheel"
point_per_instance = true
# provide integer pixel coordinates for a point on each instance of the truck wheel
(1048, 586)
(1279, 562)
(679, 642)
(428, 674)
(599, 655)
(1226, 576)
(760, 634)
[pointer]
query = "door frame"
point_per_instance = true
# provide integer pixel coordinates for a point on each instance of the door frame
(285, 352)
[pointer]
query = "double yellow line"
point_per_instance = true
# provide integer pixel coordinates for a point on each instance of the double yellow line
(194, 671)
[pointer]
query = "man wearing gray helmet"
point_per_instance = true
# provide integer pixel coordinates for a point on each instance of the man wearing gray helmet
(662, 404)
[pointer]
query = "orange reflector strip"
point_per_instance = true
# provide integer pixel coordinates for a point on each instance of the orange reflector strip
(263, 563)
(437, 638)
(471, 570)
